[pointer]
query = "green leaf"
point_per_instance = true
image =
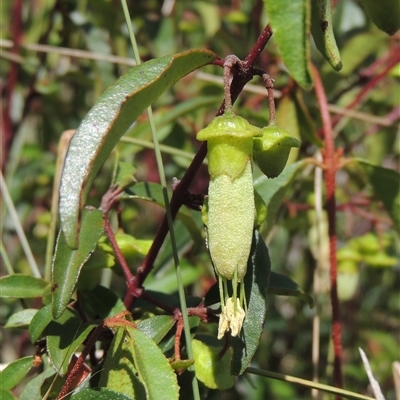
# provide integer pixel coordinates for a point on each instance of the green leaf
(108, 120)
(33, 389)
(282, 285)
(356, 50)
(386, 185)
(149, 191)
(13, 374)
(124, 175)
(39, 323)
(156, 327)
(322, 31)
(273, 191)
(211, 369)
(100, 394)
(119, 371)
(21, 319)
(64, 336)
(22, 286)
(154, 370)
(385, 14)
(102, 302)
(6, 395)
(256, 281)
(290, 22)
(67, 263)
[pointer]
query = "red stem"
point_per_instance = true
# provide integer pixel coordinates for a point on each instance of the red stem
(237, 85)
(330, 175)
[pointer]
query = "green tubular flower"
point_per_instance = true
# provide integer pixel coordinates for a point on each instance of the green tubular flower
(231, 208)
(271, 150)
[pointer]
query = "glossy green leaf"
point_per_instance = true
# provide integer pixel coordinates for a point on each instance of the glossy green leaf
(256, 283)
(108, 120)
(149, 191)
(156, 327)
(64, 336)
(39, 322)
(67, 263)
(21, 319)
(282, 285)
(290, 22)
(13, 374)
(119, 372)
(100, 394)
(273, 191)
(210, 368)
(154, 370)
(102, 302)
(22, 286)
(322, 31)
(386, 185)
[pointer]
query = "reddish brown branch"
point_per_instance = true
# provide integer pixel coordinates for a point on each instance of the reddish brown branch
(330, 162)
(238, 82)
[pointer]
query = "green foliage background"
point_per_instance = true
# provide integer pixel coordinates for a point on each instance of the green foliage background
(56, 88)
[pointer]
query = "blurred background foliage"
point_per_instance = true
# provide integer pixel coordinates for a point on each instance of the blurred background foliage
(70, 51)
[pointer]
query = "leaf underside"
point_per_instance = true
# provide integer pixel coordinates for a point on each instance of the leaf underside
(114, 112)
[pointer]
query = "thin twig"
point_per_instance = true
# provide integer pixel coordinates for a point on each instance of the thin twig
(18, 227)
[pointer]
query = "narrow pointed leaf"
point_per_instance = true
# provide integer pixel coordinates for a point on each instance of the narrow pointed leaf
(256, 283)
(290, 22)
(13, 374)
(68, 263)
(108, 120)
(282, 285)
(22, 286)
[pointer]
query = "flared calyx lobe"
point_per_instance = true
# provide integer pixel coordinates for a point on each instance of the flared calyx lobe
(229, 143)
(271, 150)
